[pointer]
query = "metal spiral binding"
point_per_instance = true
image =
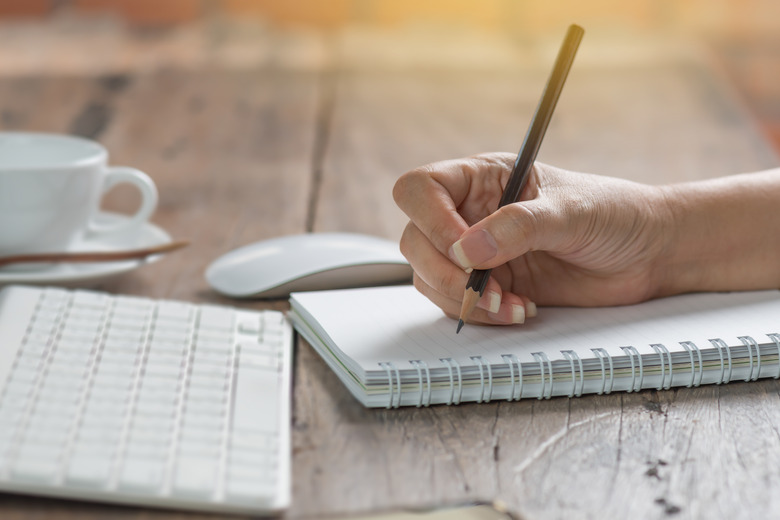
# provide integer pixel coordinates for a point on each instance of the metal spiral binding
(691, 347)
(542, 358)
(450, 362)
(602, 355)
(482, 363)
(572, 357)
(750, 343)
(776, 338)
(416, 363)
(721, 346)
(390, 368)
(661, 350)
(634, 353)
(512, 360)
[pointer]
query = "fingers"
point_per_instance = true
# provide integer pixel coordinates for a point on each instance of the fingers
(431, 204)
(512, 310)
(444, 283)
(442, 200)
(513, 231)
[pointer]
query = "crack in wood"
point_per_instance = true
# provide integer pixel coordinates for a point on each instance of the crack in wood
(554, 439)
(322, 130)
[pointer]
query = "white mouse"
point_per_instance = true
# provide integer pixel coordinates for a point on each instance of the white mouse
(309, 262)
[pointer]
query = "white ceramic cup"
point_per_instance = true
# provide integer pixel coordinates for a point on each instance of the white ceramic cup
(50, 191)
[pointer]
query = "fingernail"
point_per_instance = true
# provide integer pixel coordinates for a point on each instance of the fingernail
(530, 310)
(518, 314)
(474, 249)
(491, 302)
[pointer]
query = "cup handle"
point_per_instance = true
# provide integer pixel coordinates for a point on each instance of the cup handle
(125, 175)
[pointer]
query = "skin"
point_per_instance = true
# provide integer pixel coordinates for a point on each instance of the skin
(578, 239)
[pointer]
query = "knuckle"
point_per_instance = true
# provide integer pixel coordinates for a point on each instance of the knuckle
(405, 244)
(442, 235)
(449, 281)
(408, 182)
(400, 188)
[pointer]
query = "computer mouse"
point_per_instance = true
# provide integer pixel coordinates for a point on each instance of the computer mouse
(275, 267)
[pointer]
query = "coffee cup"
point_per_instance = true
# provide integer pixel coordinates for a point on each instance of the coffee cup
(51, 187)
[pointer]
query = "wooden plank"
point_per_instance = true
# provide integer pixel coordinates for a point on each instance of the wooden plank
(231, 154)
(37, 103)
(655, 124)
(685, 452)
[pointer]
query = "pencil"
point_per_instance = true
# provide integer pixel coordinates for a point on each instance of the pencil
(475, 287)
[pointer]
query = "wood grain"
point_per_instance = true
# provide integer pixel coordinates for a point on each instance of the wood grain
(310, 137)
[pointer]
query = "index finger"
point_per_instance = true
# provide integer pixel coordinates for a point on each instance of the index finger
(433, 196)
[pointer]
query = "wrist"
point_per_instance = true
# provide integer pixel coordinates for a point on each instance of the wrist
(678, 268)
(720, 235)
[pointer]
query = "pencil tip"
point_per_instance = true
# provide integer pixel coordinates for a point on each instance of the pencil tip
(460, 326)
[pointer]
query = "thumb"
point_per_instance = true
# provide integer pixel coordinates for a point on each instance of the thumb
(510, 232)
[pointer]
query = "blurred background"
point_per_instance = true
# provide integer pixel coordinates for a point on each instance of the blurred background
(100, 36)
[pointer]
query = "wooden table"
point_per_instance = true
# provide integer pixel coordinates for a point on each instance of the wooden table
(252, 133)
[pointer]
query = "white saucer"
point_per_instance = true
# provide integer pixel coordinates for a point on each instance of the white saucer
(84, 273)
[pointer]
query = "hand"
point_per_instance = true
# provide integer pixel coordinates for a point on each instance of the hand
(573, 239)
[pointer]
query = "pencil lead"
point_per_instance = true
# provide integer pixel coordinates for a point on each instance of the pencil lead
(460, 326)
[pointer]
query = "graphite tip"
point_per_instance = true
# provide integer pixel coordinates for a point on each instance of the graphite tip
(460, 326)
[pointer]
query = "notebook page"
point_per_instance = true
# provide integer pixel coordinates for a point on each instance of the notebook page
(397, 324)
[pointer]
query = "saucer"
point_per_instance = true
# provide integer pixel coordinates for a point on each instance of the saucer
(84, 273)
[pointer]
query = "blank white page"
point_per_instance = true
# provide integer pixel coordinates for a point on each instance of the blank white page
(398, 324)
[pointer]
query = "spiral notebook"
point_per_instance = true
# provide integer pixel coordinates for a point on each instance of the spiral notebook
(392, 347)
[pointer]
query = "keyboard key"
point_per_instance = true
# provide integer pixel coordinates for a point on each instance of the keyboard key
(102, 422)
(172, 357)
(9, 418)
(37, 461)
(155, 410)
(219, 344)
(196, 476)
(261, 361)
(217, 380)
(178, 348)
(207, 370)
(145, 426)
(163, 371)
(123, 361)
(147, 452)
(102, 436)
(201, 421)
(35, 469)
(251, 326)
(174, 311)
(88, 470)
(35, 349)
(202, 395)
(208, 357)
(250, 490)
(249, 441)
(142, 474)
(215, 318)
(252, 409)
(193, 447)
(90, 299)
(167, 335)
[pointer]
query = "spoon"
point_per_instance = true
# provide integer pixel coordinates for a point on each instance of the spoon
(94, 256)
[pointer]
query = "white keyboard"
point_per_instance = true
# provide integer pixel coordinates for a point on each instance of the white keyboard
(145, 402)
